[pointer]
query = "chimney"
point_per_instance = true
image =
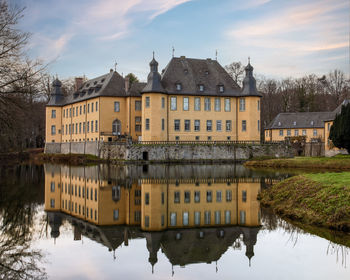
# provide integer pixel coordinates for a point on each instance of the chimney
(78, 83)
(127, 83)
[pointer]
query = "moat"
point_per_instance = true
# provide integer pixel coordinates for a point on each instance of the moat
(155, 222)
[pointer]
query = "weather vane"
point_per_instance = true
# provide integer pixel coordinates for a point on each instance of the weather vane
(115, 66)
(173, 51)
(216, 55)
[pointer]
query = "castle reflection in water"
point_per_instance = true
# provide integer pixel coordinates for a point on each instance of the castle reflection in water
(194, 213)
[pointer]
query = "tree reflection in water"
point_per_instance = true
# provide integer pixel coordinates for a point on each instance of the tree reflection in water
(20, 190)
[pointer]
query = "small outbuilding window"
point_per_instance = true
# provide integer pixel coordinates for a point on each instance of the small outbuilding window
(201, 88)
(178, 86)
(294, 123)
(221, 88)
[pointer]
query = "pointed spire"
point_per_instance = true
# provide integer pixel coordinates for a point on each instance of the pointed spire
(154, 78)
(249, 82)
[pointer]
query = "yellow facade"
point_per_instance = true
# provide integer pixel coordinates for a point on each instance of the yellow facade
(223, 114)
(281, 134)
(154, 205)
(92, 120)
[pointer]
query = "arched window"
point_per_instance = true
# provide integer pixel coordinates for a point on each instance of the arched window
(116, 127)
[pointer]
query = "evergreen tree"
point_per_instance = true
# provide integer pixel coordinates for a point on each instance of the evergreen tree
(340, 130)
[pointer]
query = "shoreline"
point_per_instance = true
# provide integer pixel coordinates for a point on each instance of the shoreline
(321, 199)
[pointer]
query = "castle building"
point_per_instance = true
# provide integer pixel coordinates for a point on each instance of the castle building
(314, 126)
(192, 100)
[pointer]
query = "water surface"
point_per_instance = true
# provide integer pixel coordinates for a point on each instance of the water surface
(155, 222)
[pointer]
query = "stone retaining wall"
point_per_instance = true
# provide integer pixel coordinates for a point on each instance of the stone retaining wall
(172, 152)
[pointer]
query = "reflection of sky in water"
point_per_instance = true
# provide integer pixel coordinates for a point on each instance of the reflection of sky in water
(277, 256)
(282, 253)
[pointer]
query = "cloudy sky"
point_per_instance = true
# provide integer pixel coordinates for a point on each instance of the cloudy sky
(282, 37)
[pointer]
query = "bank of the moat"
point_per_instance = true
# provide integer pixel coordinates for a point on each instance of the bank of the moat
(174, 152)
(321, 199)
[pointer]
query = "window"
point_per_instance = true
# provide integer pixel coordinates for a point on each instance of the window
(173, 103)
(185, 103)
(79, 127)
(244, 196)
(73, 111)
(227, 105)
(209, 138)
(147, 124)
(228, 125)
(70, 112)
(87, 126)
(52, 186)
(138, 127)
(281, 132)
(115, 214)
(178, 86)
(197, 218)
(88, 109)
(84, 109)
(244, 125)
(53, 114)
(221, 88)
(304, 132)
(217, 215)
(209, 125)
(197, 124)
(137, 119)
(177, 125)
(187, 197)
(207, 104)
(163, 102)
(197, 137)
(228, 195)
(227, 217)
(116, 106)
(173, 218)
(217, 104)
(177, 138)
(197, 104)
(289, 132)
(64, 113)
(52, 203)
(53, 130)
(242, 104)
(148, 102)
(96, 126)
(207, 217)
(83, 127)
(197, 196)
(258, 125)
(176, 197)
(163, 124)
(76, 128)
(201, 88)
(258, 105)
(315, 132)
(147, 198)
(218, 125)
(328, 126)
(209, 196)
(137, 105)
(92, 126)
(92, 108)
(187, 125)
(163, 198)
(146, 221)
(296, 132)
(185, 218)
(95, 105)
(218, 196)
(294, 123)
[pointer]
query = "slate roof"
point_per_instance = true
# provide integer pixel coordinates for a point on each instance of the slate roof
(111, 84)
(304, 119)
(190, 73)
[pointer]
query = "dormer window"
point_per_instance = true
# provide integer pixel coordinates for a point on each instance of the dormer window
(87, 85)
(221, 88)
(178, 86)
(279, 123)
(102, 80)
(201, 88)
(95, 82)
(312, 122)
(294, 123)
(90, 90)
(207, 72)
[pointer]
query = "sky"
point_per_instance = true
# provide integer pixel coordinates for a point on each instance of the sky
(283, 38)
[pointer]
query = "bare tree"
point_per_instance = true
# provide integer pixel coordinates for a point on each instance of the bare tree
(236, 71)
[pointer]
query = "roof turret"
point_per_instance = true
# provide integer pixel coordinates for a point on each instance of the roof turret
(56, 93)
(153, 79)
(249, 82)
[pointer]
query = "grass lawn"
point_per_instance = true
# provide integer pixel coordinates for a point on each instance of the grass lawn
(340, 162)
(321, 199)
